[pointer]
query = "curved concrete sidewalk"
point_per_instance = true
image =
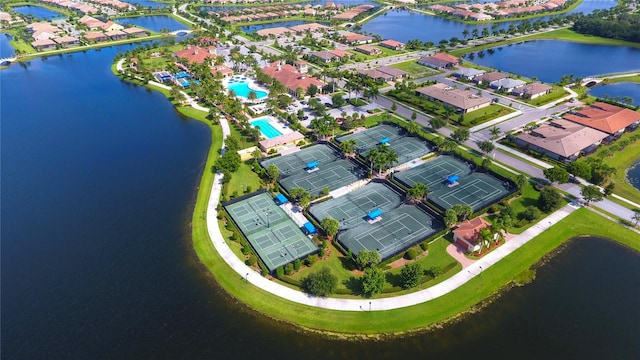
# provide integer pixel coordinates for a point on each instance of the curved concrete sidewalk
(365, 304)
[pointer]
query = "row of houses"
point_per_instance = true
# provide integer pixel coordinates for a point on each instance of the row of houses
(490, 10)
(283, 11)
(579, 132)
(328, 56)
(297, 29)
(81, 7)
(500, 81)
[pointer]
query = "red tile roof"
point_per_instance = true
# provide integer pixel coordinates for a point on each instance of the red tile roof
(470, 230)
(290, 77)
(604, 117)
(446, 57)
(195, 54)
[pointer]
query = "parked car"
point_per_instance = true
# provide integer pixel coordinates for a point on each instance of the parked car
(328, 104)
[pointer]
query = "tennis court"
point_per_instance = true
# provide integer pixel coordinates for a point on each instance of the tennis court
(477, 190)
(434, 173)
(332, 175)
(296, 162)
(407, 147)
(273, 235)
(398, 227)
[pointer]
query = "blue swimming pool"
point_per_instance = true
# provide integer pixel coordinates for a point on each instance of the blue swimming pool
(266, 128)
(241, 88)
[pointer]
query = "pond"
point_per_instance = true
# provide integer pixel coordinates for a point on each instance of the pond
(622, 89)
(317, 2)
(588, 6)
(633, 175)
(150, 3)
(38, 12)
(154, 23)
(6, 49)
(549, 60)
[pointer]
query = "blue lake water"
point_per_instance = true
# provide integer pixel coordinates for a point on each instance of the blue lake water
(622, 89)
(155, 23)
(288, 23)
(38, 12)
(97, 188)
(548, 60)
(633, 175)
(5, 45)
(149, 3)
(587, 6)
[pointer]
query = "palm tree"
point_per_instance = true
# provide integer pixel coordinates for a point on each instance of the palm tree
(252, 96)
(418, 192)
(495, 132)
(348, 146)
(413, 127)
(465, 33)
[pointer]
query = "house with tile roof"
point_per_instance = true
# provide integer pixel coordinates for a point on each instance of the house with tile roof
(532, 91)
(467, 233)
(195, 54)
(562, 140)
(291, 77)
(463, 101)
(611, 119)
(392, 44)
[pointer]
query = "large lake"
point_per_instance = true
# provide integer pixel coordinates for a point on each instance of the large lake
(548, 60)
(38, 12)
(98, 180)
(6, 49)
(150, 4)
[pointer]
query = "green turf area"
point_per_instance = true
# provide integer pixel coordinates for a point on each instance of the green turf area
(635, 79)
(622, 160)
(483, 115)
(414, 69)
(243, 181)
(556, 93)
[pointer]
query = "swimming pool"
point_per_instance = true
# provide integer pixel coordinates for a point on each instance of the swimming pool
(241, 88)
(266, 128)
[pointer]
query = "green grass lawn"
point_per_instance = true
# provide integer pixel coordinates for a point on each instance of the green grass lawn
(414, 69)
(635, 79)
(485, 114)
(242, 180)
(556, 93)
(622, 160)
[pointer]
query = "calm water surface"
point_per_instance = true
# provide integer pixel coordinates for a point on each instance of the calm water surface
(155, 23)
(622, 89)
(38, 12)
(149, 3)
(98, 182)
(317, 2)
(5, 45)
(549, 60)
(633, 175)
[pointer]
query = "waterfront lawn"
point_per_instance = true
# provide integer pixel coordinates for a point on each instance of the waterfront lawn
(243, 180)
(622, 160)
(635, 79)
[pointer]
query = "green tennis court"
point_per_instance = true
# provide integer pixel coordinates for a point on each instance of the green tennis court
(333, 175)
(434, 173)
(477, 190)
(399, 227)
(296, 162)
(407, 147)
(273, 235)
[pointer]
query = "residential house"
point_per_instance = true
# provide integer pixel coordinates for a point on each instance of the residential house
(532, 91)
(489, 77)
(116, 34)
(467, 74)
(276, 32)
(368, 50)
(507, 84)
(439, 61)
(112, 26)
(66, 41)
(302, 66)
(376, 75)
(611, 119)
(352, 38)
(135, 32)
(95, 37)
(395, 73)
(463, 101)
(323, 56)
(392, 44)
(46, 44)
(467, 233)
(562, 139)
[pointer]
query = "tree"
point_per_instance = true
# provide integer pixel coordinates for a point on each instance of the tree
(411, 275)
(462, 211)
(338, 100)
(556, 174)
(256, 154)
(229, 162)
(418, 192)
(300, 196)
(252, 96)
(330, 226)
(450, 218)
(321, 283)
(394, 106)
(381, 157)
(521, 181)
(531, 213)
(460, 135)
(348, 146)
(312, 90)
(414, 116)
(373, 281)
(580, 169)
(367, 258)
(635, 217)
(591, 193)
(486, 146)
(437, 123)
(273, 172)
(549, 200)
(413, 127)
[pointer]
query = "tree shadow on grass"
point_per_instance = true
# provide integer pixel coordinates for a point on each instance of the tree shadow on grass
(347, 263)
(394, 280)
(354, 285)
